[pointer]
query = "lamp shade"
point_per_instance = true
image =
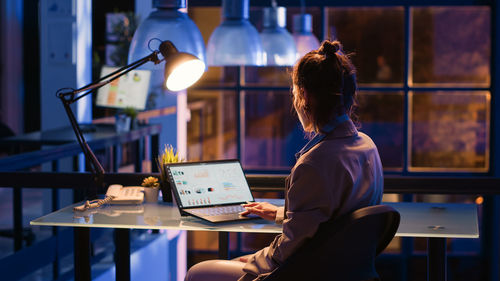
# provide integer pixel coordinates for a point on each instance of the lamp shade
(186, 72)
(167, 23)
(235, 41)
(278, 43)
(305, 40)
(181, 69)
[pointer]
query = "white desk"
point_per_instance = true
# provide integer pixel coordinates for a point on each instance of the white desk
(437, 222)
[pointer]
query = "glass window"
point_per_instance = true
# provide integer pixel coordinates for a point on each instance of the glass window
(381, 117)
(268, 76)
(375, 37)
(272, 132)
(451, 45)
(450, 131)
(216, 76)
(212, 128)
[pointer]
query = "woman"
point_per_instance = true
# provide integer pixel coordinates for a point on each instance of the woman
(338, 170)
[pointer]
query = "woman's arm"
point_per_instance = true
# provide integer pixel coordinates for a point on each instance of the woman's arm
(309, 204)
(264, 210)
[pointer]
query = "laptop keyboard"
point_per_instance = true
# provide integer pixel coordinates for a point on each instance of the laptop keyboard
(217, 211)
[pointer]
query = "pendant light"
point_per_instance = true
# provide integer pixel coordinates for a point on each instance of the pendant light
(235, 41)
(278, 43)
(305, 40)
(167, 23)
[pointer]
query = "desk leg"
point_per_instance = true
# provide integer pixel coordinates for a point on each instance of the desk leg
(82, 253)
(223, 245)
(122, 254)
(436, 259)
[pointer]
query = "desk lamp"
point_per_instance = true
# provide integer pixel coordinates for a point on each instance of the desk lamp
(181, 71)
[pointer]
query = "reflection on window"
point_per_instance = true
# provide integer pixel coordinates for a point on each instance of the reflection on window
(212, 129)
(451, 45)
(450, 131)
(447, 131)
(218, 76)
(375, 36)
(381, 117)
(272, 132)
(268, 76)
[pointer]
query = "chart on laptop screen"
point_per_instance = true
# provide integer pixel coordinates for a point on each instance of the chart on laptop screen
(210, 184)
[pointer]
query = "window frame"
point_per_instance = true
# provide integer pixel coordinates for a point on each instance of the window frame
(407, 5)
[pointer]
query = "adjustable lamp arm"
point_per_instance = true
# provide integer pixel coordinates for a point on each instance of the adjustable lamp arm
(181, 71)
(69, 97)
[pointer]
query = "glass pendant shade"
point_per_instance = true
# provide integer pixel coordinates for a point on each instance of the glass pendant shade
(278, 43)
(235, 41)
(305, 41)
(167, 23)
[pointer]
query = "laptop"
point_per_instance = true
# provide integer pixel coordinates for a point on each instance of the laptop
(210, 190)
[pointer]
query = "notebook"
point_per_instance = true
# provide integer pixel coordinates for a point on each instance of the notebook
(211, 190)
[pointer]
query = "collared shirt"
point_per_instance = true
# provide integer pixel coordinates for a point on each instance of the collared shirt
(329, 127)
(337, 173)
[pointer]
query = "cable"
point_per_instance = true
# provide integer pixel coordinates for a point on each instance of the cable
(93, 204)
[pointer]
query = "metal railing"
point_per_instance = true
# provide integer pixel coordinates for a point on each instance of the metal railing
(16, 174)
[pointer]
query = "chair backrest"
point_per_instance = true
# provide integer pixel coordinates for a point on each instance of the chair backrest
(342, 249)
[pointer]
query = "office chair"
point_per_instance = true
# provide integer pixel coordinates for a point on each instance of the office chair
(343, 249)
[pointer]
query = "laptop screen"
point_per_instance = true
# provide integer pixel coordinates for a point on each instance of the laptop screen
(209, 183)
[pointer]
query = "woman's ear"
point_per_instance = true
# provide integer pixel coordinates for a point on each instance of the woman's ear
(307, 96)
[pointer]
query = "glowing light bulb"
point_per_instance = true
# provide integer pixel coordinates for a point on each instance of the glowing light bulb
(185, 75)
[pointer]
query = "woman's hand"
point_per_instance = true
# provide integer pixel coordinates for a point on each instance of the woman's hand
(262, 209)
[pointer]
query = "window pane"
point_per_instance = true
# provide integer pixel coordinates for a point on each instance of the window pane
(376, 37)
(218, 76)
(211, 132)
(451, 45)
(268, 76)
(272, 132)
(450, 131)
(381, 117)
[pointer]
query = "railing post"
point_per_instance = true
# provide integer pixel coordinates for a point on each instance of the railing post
(55, 230)
(139, 154)
(155, 150)
(18, 218)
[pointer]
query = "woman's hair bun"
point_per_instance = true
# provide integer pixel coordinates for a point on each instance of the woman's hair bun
(330, 47)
